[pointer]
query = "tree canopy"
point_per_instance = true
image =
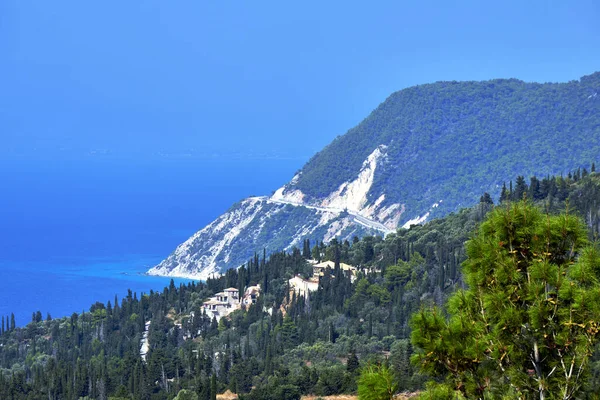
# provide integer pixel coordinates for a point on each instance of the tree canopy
(526, 325)
(287, 345)
(468, 136)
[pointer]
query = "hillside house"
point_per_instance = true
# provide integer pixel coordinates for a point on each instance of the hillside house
(217, 309)
(224, 303)
(230, 296)
(303, 286)
(251, 294)
(319, 269)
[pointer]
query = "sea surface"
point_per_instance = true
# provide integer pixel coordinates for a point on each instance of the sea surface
(73, 232)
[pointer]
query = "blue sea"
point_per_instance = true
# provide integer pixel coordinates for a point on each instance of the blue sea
(73, 232)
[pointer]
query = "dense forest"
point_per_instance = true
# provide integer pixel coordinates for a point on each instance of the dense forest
(285, 345)
(456, 140)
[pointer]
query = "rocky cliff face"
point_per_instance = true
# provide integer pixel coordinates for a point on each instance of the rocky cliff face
(353, 196)
(424, 152)
(281, 222)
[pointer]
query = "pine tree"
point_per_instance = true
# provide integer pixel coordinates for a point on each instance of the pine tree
(527, 324)
(504, 195)
(486, 198)
(535, 190)
(352, 364)
(376, 383)
(520, 189)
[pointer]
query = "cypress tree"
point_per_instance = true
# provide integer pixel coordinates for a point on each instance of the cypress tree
(352, 364)
(315, 252)
(306, 249)
(268, 361)
(204, 389)
(213, 386)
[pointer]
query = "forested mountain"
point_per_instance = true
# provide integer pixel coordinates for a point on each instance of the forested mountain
(285, 344)
(424, 152)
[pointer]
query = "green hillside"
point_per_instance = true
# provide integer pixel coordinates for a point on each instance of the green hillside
(455, 140)
(310, 345)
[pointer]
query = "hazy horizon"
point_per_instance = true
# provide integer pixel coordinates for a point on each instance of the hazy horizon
(254, 80)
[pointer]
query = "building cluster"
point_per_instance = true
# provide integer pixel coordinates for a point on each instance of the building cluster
(229, 300)
(319, 269)
(303, 286)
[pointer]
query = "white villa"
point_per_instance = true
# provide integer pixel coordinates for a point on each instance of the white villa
(319, 269)
(303, 286)
(224, 303)
(230, 295)
(251, 294)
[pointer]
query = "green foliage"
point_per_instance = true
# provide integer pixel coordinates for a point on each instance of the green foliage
(456, 140)
(440, 391)
(274, 391)
(397, 275)
(404, 373)
(331, 381)
(186, 395)
(288, 333)
(262, 352)
(376, 383)
(352, 364)
(528, 321)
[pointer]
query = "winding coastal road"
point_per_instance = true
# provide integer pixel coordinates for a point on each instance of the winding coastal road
(360, 219)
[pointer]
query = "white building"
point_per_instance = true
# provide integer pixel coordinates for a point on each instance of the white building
(303, 286)
(251, 295)
(217, 309)
(232, 294)
(228, 301)
(319, 269)
(229, 296)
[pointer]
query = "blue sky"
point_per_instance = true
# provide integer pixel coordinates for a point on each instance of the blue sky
(255, 79)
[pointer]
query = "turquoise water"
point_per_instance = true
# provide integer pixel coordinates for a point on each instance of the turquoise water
(60, 289)
(80, 231)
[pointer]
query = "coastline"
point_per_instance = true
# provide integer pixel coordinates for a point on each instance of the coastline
(59, 289)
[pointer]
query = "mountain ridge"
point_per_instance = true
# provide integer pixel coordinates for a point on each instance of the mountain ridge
(424, 152)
